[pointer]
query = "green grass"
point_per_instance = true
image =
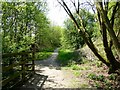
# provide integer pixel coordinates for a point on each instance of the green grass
(77, 73)
(66, 56)
(84, 85)
(68, 59)
(92, 76)
(101, 80)
(75, 67)
(43, 55)
(48, 49)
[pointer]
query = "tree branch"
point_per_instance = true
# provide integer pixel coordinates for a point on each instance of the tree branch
(69, 13)
(113, 13)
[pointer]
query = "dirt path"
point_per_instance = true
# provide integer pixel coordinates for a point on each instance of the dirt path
(67, 77)
(57, 78)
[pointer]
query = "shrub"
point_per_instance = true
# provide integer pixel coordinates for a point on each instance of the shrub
(75, 67)
(92, 76)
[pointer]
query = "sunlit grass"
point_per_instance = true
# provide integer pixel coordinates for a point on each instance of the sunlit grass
(43, 55)
(65, 56)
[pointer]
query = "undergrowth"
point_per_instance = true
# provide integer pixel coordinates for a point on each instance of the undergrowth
(66, 57)
(94, 71)
(106, 82)
(44, 54)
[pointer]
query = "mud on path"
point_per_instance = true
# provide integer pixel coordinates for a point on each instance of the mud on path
(57, 78)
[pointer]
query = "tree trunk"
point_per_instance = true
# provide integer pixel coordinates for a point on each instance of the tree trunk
(90, 44)
(108, 25)
(113, 62)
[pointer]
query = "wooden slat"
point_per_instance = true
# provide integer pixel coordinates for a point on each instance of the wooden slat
(5, 81)
(20, 82)
(27, 66)
(43, 82)
(5, 55)
(13, 65)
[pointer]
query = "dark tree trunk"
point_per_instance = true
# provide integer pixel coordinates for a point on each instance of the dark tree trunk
(109, 25)
(109, 54)
(90, 44)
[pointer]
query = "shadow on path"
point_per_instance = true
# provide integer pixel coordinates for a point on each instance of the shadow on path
(34, 83)
(51, 68)
(48, 75)
(50, 62)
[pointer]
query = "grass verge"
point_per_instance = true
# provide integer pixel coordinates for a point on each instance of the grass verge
(66, 57)
(43, 55)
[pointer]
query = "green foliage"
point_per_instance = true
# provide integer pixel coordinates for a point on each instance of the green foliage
(67, 57)
(99, 64)
(96, 31)
(77, 73)
(100, 78)
(96, 77)
(70, 36)
(55, 35)
(112, 77)
(78, 67)
(75, 67)
(48, 49)
(26, 23)
(16, 32)
(92, 76)
(105, 82)
(88, 21)
(43, 55)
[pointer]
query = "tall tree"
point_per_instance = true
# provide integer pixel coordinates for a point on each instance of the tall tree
(103, 10)
(74, 37)
(111, 62)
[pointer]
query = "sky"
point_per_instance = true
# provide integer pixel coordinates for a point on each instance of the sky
(56, 13)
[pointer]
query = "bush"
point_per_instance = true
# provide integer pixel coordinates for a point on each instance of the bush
(100, 78)
(92, 76)
(75, 67)
(112, 77)
(99, 64)
(95, 77)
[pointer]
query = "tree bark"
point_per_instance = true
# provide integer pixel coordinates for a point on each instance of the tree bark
(113, 62)
(108, 25)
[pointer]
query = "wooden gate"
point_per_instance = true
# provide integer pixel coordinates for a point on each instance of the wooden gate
(19, 68)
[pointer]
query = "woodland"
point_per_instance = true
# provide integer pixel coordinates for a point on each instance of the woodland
(24, 24)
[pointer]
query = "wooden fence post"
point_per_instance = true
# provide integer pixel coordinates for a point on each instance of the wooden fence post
(33, 57)
(23, 67)
(33, 67)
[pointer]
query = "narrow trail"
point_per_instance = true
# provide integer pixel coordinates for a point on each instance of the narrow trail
(57, 78)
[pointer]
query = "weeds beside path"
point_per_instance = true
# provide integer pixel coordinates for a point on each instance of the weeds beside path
(57, 78)
(88, 74)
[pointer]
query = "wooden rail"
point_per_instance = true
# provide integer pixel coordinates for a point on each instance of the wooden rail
(18, 71)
